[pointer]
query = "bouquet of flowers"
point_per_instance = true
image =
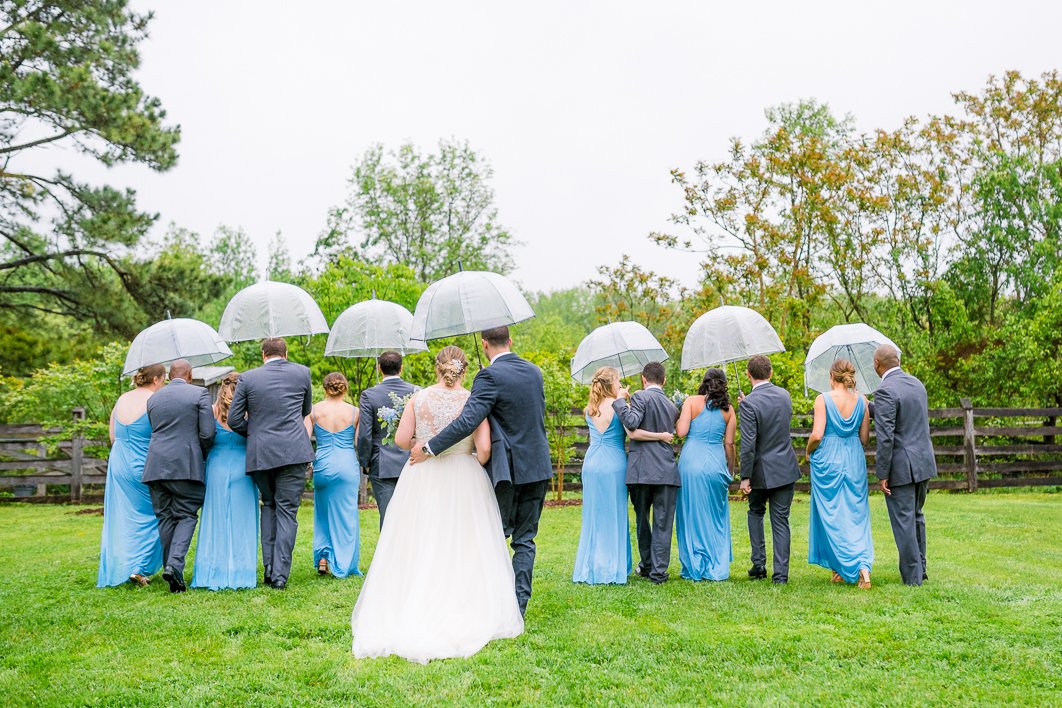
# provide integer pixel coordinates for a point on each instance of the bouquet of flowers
(678, 398)
(389, 416)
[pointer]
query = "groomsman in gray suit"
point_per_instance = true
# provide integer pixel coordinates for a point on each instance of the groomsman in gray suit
(905, 462)
(769, 467)
(383, 463)
(269, 408)
(182, 432)
(652, 475)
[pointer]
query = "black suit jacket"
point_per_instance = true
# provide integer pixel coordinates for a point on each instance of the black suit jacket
(182, 432)
(269, 408)
(901, 426)
(382, 461)
(510, 394)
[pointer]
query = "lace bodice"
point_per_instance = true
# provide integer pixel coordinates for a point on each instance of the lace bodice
(435, 408)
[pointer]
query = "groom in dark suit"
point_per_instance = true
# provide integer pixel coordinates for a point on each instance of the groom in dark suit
(269, 407)
(182, 432)
(905, 461)
(383, 463)
(652, 475)
(769, 467)
(510, 394)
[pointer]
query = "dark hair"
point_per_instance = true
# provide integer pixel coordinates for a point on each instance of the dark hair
(759, 367)
(713, 388)
(146, 375)
(390, 363)
(335, 384)
(274, 346)
(496, 336)
(654, 373)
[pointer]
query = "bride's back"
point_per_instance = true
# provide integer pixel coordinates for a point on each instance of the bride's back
(436, 407)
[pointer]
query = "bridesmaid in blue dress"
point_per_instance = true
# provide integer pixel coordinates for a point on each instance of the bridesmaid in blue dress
(706, 465)
(130, 548)
(336, 481)
(604, 553)
(226, 555)
(839, 534)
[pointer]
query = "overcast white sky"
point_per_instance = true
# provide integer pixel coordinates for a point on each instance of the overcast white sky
(581, 107)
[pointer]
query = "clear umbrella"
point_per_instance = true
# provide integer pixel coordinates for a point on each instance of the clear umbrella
(169, 340)
(625, 346)
(855, 342)
(728, 333)
(466, 302)
(370, 328)
(271, 309)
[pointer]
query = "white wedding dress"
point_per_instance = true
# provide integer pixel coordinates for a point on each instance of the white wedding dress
(440, 583)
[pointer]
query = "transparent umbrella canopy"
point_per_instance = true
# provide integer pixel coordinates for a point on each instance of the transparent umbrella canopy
(466, 302)
(728, 333)
(271, 309)
(855, 342)
(172, 339)
(370, 328)
(625, 346)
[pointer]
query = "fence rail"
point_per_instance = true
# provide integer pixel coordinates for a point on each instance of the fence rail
(975, 448)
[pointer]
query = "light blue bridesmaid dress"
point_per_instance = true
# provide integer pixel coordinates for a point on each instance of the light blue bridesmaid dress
(702, 516)
(226, 555)
(336, 479)
(130, 543)
(604, 554)
(839, 534)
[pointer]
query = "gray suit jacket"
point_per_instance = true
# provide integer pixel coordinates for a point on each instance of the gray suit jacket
(382, 461)
(767, 456)
(269, 408)
(901, 425)
(182, 431)
(650, 462)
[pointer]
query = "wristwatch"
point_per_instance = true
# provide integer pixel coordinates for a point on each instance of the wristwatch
(426, 450)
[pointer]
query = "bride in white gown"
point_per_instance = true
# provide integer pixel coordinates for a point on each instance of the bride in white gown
(441, 581)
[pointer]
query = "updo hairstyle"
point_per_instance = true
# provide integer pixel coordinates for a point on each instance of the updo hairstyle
(335, 384)
(224, 397)
(146, 375)
(843, 371)
(602, 386)
(713, 388)
(450, 364)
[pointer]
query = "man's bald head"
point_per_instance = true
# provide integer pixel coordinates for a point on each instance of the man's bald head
(181, 369)
(886, 357)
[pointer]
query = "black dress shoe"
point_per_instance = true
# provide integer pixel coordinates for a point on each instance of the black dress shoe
(266, 576)
(642, 571)
(780, 581)
(758, 572)
(658, 581)
(175, 579)
(279, 585)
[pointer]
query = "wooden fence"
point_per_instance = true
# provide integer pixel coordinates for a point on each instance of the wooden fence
(975, 448)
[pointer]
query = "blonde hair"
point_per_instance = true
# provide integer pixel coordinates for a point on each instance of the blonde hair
(146, 375)
(224, 397)
(450, 364)
(335, 384)
(843, 371)
(601, 387)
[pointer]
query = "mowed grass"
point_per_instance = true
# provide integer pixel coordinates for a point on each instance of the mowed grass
(986, 628)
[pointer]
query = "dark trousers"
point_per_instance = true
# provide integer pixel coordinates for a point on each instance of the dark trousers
(654, 534)
(281, 491)
(382, 491)
(909, 529)
(521, 507)
(176, 504)
(780, 499)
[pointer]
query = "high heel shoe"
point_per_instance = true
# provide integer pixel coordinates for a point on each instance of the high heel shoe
(864, 583)
(835, 578)
(322, 566)
(141, 580)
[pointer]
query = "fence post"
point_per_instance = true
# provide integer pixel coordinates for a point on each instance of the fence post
(363, 489)
(969, 445)
(77, 444)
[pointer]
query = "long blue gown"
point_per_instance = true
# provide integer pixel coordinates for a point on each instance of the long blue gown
(130, 543)
(336, 479)
(604, 554)
(839, 534)
(702, 516)
(226, 555)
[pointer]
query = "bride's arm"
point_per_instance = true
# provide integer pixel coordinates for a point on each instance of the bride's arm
(482, 440)
(407, 427)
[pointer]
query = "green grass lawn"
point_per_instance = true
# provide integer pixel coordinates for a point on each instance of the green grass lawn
(986, 628)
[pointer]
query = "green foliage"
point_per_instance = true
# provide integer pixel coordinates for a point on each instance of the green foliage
(562, 395)
(427, 211)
